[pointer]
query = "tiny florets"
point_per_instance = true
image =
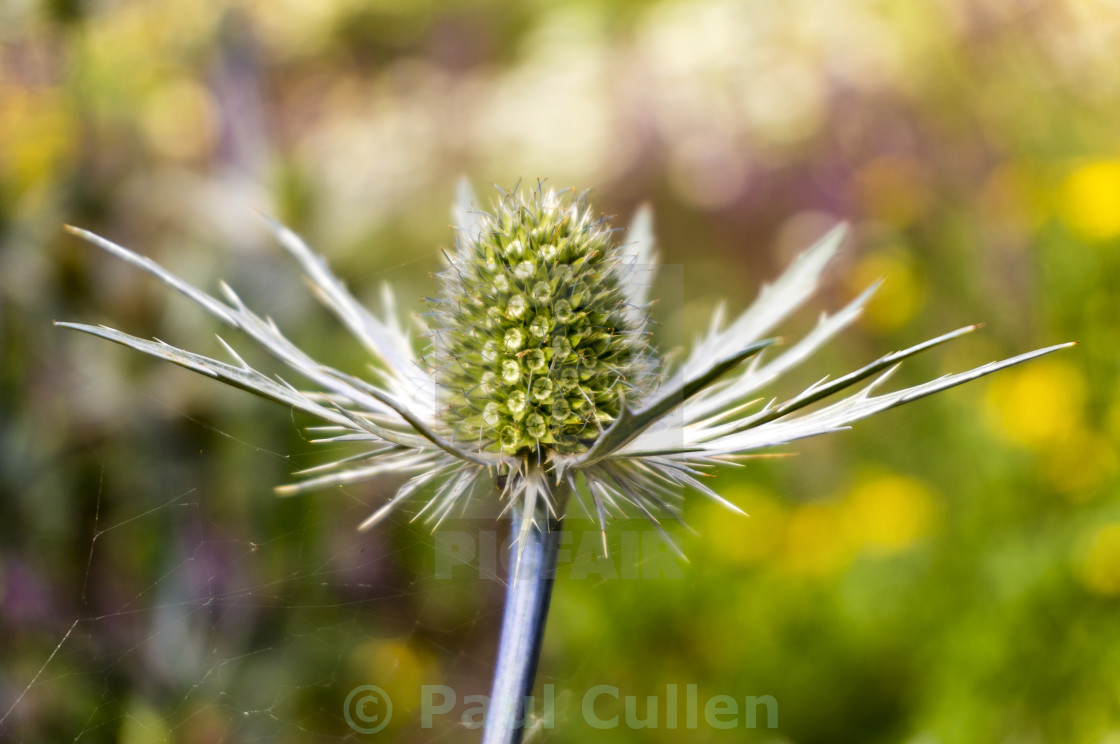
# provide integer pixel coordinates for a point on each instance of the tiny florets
(535, 349)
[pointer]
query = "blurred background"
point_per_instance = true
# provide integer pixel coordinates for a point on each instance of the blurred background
(945, 573)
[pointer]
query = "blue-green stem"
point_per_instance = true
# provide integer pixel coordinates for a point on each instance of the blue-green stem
(532, 566)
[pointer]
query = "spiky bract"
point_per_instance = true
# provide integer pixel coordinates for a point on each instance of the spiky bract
(544, 376)
(534, 347)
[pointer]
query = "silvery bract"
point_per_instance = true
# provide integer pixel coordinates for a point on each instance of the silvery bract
(536, 370)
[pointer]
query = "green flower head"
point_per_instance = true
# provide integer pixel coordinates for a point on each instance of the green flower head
(535, 347)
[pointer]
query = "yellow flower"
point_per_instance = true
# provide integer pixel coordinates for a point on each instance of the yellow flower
(1091, 200)
(1099, 565)
(888, 513)
(1037, 405)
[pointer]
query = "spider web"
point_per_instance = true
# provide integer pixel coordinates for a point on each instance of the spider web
(191, 604)
(241, 636)
(197, 609)
(231, 635)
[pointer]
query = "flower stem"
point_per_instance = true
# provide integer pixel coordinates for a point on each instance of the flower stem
(532, 568)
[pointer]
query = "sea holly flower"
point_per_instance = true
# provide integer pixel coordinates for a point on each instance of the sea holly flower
(533, 370)
(538, 368)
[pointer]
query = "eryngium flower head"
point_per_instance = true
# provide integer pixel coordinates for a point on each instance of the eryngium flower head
(538, 373)
(535, 346)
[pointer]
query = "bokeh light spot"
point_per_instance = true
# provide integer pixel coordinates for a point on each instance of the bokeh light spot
(1091, 200)
(1037, 404)
(1099, 567)
(893, 189)
(898, 298)
(888, 513)
(41, 124)
(179, 120)
(396, 668)
(815, 543)
(744, 540)
(1078, 463)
